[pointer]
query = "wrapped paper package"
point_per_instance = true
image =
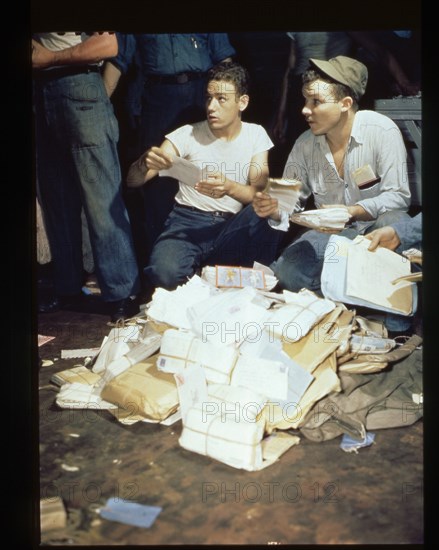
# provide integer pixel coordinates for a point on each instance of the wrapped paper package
(143, 390)
(236, 443)
(237, 402)
(301, 312)
(258, 274)
(322, 219)
(180, 348)
(80, 374)
(333, 331)
(234, 436)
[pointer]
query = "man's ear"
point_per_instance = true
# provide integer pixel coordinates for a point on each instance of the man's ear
(346, 103)
(243, 102)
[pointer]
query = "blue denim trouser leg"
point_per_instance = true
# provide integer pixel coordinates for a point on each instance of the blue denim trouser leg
(78, 167)
(192, 240)
(186, 240)
(244, 239)
(300, 264)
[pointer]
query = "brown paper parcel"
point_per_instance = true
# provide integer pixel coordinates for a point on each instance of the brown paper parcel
(144, 390)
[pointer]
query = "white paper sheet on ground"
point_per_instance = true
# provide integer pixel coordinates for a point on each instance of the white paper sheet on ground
(334, 276)
(181, 348)
(183, 170)
(79, 353)
(263, 376)
(118, 342)
(300, 313)
(171, 306)
(270, 348)
(80, 374)
(81, 396)
(285, 191)
(138, 353)
(275, 445)
(292, 416)
(229, 317)
(128, 418)
(298, 380)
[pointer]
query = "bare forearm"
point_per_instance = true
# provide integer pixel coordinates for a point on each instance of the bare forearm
(96, 48)
(138, 173)
(111, 76)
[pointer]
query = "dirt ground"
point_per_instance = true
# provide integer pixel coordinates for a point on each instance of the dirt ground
(315, 493)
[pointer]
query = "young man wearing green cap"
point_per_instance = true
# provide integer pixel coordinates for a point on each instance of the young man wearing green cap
(348, 157)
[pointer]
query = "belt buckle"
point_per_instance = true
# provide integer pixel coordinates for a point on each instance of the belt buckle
(182, 78)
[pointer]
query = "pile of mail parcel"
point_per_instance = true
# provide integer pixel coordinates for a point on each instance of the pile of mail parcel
(241, 366)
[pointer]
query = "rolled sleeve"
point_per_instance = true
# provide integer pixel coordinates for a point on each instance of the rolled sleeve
(393, 192)
(220, 47)
(126, 49)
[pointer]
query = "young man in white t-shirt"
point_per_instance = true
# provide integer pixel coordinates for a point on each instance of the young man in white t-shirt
(212, 222)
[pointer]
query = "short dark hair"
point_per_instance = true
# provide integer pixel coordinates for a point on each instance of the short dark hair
(231, 72)
(340, 90)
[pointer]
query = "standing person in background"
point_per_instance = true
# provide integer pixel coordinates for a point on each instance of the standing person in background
(172, 70)
(76, 135)
(393, 61)
(289, 122)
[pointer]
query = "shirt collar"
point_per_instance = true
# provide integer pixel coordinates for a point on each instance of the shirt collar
(357, 132)
(358, 128)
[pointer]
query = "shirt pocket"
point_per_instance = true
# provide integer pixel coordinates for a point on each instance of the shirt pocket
(370, 192)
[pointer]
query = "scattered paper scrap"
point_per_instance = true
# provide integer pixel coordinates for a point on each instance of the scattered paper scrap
(130, 513)
(52, 514)
(44, 339)
(68, 468)
(350, 445)
(77, 374)
(79, 353)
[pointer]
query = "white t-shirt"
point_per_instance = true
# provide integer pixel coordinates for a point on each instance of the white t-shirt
(60, 41)
(196, 143)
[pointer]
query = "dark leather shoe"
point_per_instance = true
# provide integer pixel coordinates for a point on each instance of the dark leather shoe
(123, 309)
(48, 304)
